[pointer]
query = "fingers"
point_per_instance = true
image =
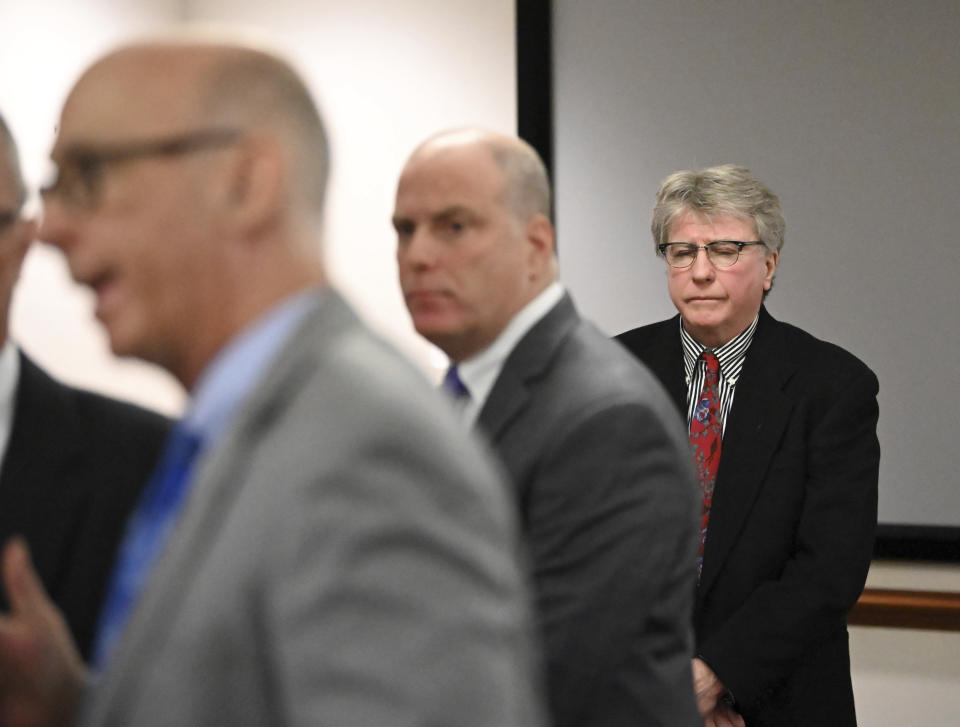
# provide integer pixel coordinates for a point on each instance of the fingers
(24, 589)
(726, 716)
(33, 617)
(707, 687)
(41, 673)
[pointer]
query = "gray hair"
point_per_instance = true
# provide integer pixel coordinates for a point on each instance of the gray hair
(10, 161)
(253, 85)
(526, 182)
(726, 190)
(525, 174)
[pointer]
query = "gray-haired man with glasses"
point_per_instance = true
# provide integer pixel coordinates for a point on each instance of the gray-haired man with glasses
(783, 432)
(72, 462)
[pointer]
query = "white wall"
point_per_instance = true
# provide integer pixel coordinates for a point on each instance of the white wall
(386, 75)
(849, 111)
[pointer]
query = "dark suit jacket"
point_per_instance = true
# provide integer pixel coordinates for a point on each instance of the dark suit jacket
(608, 507)
(792, 524)
(74, 466)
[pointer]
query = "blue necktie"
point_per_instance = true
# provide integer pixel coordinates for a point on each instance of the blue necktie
(453, 385)
(145, 536)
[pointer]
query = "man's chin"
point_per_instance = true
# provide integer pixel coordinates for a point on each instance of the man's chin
(122, 342)
(445, 337)
(700, 318)
(702, 324)
(429, 325)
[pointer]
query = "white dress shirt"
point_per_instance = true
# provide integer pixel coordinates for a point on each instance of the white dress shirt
(9, 375)
(479, 373)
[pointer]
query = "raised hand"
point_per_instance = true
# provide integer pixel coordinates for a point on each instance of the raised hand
(41, 672)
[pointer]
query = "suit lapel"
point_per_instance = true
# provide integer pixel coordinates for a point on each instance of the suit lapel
(39, 495)
(528, 361)
(663, 355)
(757, 420)
(39, 416)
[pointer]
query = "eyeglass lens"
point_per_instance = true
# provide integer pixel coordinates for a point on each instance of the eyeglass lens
(721, 253)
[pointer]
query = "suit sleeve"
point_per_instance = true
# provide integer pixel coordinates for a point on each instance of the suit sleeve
(785, 618)
(610, 525)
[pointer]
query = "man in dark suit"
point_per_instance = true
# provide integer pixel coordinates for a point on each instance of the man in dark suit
(790, 512)
(319, 544)
(593, 445)
(73, 462)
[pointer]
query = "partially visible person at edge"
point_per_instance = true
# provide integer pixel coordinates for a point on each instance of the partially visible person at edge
(72, 462)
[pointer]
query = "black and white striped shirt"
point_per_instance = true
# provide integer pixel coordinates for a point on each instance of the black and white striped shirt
(731, 356)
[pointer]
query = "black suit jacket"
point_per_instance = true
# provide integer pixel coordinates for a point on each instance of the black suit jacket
(74, 467)
(792, 523)
(608, 504)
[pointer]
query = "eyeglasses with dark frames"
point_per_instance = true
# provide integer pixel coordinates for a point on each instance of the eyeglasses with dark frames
(721, 253)
(78, 179)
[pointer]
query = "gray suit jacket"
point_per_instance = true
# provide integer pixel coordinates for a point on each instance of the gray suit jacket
(346, 557)
(607, 496)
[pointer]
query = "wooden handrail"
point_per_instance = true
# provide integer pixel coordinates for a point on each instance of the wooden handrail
(935, 610)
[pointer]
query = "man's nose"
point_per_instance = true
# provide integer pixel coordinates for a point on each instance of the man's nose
(419, 250)
(702, 268)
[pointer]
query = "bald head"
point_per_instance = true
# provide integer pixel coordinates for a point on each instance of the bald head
(190, 186)
(526, 183)
(475, 243)
(210, 84)
(264, 91)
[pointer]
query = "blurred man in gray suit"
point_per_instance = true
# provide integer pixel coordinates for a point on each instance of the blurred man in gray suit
(595, 448)
(319, 544)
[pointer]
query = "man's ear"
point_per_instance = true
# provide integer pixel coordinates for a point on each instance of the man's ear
(542, 239)
(771, 268)
(256, 191)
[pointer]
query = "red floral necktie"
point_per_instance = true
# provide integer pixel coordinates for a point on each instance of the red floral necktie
(706, 432)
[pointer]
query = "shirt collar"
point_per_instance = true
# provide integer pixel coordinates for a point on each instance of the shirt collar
(235, 370)
(731, 355)
(9, 376)
(480, 372)
(9, 373)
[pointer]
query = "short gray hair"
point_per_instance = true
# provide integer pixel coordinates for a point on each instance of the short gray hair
(525, 174)
(257, 86)
(526, 183)
(726, 190)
